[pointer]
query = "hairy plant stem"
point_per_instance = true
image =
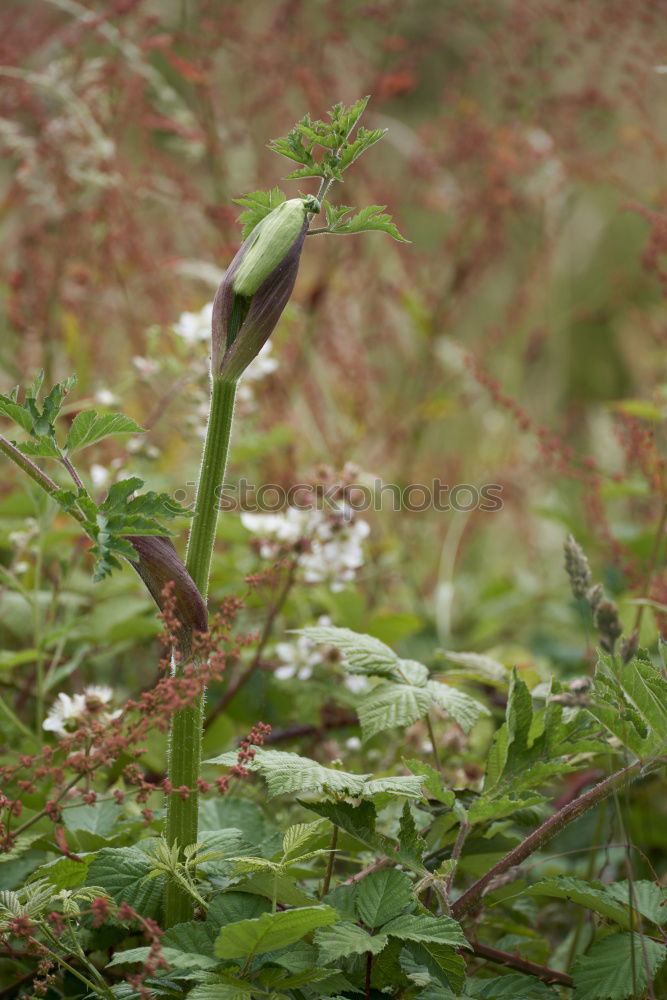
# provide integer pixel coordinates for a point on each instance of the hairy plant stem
(186, 729)
(31, 469)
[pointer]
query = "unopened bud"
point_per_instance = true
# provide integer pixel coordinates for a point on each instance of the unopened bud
(257, 287)
(268, 243)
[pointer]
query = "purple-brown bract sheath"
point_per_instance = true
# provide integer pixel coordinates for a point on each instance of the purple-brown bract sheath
(158, 563)
(265, 308)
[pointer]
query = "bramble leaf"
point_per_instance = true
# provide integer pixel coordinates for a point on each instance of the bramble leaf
(363, 654)
(346, 938)
(271, 931)
(122, 871)
(631, 702)
(606, 971)
(286, 773)
(422, 928)
(383, 895)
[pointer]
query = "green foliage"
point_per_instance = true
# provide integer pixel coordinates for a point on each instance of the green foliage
(383, 895)
(407, 693)
(124, 873)
(271, 931)
(618, 966)
(257, 205)
(531, 746)
(287, 773)
(607, 901)
(630, 700)
(340, 151)
(89, 427)
(124, 511)
(359, 902)
(373, 218)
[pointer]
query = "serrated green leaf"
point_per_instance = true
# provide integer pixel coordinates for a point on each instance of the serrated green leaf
(460, 706)
(513, 986)
(286, 773)
(424, 928)
(41, 446)
(432, 782)
(413, 672)
(281, 887)
(89, 428)
(606, 971)
(383, 895)
(412, 845)
(346, 938)
(222, 991)
(100, 818)
(373, 218)
(592, 895)
(391, 705)
(363, 140)
(444, 965)
(257, 205)
(315, 171)
(10, 408)
(484, 809)
(298, 837)
(363, 654)
(630, 702)
(478, 665)
(271, 931)
(357, 820)
(649, 899)
(230, 907)
(121, 871)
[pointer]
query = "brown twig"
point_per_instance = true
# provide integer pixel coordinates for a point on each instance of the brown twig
(369, 972)
(542, 972)
(553, 825)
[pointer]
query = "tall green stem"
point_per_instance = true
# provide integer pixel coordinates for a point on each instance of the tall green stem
(186, 730)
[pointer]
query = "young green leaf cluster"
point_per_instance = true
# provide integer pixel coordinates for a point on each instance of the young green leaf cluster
(124, 511)
(339, 151)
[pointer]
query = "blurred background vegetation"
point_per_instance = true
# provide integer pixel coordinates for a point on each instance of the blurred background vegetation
(519, 340)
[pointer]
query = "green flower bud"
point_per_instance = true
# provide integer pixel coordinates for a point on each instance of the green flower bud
(257, 286)
(269, 242)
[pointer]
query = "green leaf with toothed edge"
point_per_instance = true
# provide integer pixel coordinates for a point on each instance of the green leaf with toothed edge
(286, 773)
(363, 654)
(423, 928)
(257, 205)
(88, 427)
(346, 938)
(606, 972)
(383, 895)
(271, 931)
(373, 218)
